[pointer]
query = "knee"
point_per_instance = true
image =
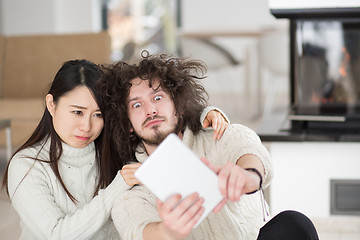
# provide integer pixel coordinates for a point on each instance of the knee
(298, 221)
(292, 215)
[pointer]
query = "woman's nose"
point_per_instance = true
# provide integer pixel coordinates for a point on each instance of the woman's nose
(85, 124)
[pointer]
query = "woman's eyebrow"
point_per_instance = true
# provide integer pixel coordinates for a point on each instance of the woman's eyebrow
(82, 107)
(77, 106)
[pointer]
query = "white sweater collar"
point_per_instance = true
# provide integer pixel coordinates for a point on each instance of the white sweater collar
(75, 157)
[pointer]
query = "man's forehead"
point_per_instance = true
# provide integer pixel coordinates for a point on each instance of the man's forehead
(141, 86)
(155, 83)
(136, 81)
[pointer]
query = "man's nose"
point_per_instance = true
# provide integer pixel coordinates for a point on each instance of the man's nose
(151, 110)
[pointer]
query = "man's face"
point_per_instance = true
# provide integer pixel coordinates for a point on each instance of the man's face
(151, 112)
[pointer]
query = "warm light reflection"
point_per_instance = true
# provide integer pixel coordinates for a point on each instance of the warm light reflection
(344, 62)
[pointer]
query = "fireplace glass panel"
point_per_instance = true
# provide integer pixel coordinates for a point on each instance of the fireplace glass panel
(326, 68)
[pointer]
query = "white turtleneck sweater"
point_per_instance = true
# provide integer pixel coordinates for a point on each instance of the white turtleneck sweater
(45, 210)
(236, 220)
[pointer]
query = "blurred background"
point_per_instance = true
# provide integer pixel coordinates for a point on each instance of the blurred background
(245, 48)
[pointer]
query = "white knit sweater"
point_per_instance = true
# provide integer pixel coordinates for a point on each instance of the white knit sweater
(237, 220)
(45, 210)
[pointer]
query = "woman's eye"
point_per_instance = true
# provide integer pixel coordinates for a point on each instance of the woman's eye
(99, 115)
(136, 105)
(77, 112)
(157, 98)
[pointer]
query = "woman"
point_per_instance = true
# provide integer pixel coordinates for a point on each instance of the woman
(64, 179)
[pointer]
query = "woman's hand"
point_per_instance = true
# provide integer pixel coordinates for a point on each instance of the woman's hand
(127, 172)
(217, 121)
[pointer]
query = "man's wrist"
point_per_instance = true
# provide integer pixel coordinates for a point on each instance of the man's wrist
(154, 230)
(256, 172)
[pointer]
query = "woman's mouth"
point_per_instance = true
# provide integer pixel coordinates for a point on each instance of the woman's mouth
(82, 138)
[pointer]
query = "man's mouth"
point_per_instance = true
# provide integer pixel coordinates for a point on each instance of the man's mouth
(153, 122)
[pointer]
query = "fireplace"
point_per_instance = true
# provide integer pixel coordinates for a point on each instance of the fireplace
(325, 66)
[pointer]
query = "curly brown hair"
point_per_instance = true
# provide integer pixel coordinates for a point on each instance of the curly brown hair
(178, 77)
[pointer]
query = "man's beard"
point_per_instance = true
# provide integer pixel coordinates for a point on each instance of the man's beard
(158, 136)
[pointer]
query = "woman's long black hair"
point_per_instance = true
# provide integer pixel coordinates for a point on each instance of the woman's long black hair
(72, 74)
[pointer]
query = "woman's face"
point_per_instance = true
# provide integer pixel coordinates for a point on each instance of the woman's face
(76, 117)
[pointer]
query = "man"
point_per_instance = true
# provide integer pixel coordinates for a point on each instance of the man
(159, 96)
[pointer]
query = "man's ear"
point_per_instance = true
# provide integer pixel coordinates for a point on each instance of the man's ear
(50, 104)
(131, 127)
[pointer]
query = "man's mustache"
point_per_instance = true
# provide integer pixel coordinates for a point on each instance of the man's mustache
(151, 119)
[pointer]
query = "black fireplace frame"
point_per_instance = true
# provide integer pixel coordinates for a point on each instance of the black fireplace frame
(337, 124)
(317, 13)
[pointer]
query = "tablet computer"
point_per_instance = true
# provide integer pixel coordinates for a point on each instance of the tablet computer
(174, 168)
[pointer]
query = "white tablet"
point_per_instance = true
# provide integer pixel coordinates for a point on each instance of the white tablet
(173, 168)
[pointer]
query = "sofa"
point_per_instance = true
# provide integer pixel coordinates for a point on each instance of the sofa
(28, 64)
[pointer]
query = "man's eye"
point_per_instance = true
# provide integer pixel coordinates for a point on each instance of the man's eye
(136, 105)
(157, 98)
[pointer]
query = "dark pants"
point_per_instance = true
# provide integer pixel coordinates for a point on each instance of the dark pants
(288, 225)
